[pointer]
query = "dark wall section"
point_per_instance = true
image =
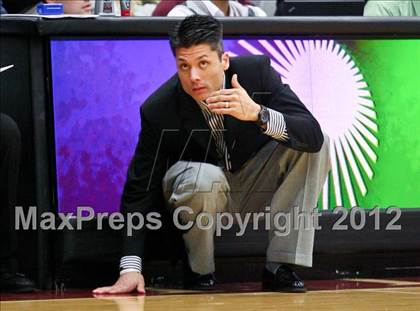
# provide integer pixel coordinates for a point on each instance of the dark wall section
(16, 101)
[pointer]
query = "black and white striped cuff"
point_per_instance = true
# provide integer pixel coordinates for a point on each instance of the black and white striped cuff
(276, 127)
(130, 264)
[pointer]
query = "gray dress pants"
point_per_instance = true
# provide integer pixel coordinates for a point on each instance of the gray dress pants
(277, 179)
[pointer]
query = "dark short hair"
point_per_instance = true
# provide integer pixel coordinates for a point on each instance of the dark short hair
(197, 29)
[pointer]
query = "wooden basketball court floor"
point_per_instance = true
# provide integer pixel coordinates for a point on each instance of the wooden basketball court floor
(339, 295)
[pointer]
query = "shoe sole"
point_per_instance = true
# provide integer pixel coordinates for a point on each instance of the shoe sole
(198, 288)
(285, 290)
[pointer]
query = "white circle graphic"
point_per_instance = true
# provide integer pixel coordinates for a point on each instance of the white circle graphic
(329, 83)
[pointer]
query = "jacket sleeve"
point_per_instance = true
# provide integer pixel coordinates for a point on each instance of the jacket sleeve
(143, 187)
(302, 128)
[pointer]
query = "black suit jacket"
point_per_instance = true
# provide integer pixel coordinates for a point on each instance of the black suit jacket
(173, 128)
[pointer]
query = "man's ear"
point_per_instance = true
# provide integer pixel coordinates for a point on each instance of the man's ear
(225, 61)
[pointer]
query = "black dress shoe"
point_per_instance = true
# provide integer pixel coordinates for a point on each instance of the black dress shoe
(196, 281)
(15, 283)
(284, 280)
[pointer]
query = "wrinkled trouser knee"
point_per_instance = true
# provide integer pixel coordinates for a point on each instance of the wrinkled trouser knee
(297, 196)
(289, 182)
(191, 189)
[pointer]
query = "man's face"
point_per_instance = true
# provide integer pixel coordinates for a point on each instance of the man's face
(200, 70)
(75, 6)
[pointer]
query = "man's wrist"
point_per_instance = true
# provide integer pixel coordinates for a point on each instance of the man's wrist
(263, 117)
(256, 113)
(132, 263)
(276, 126)
(124, 271)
